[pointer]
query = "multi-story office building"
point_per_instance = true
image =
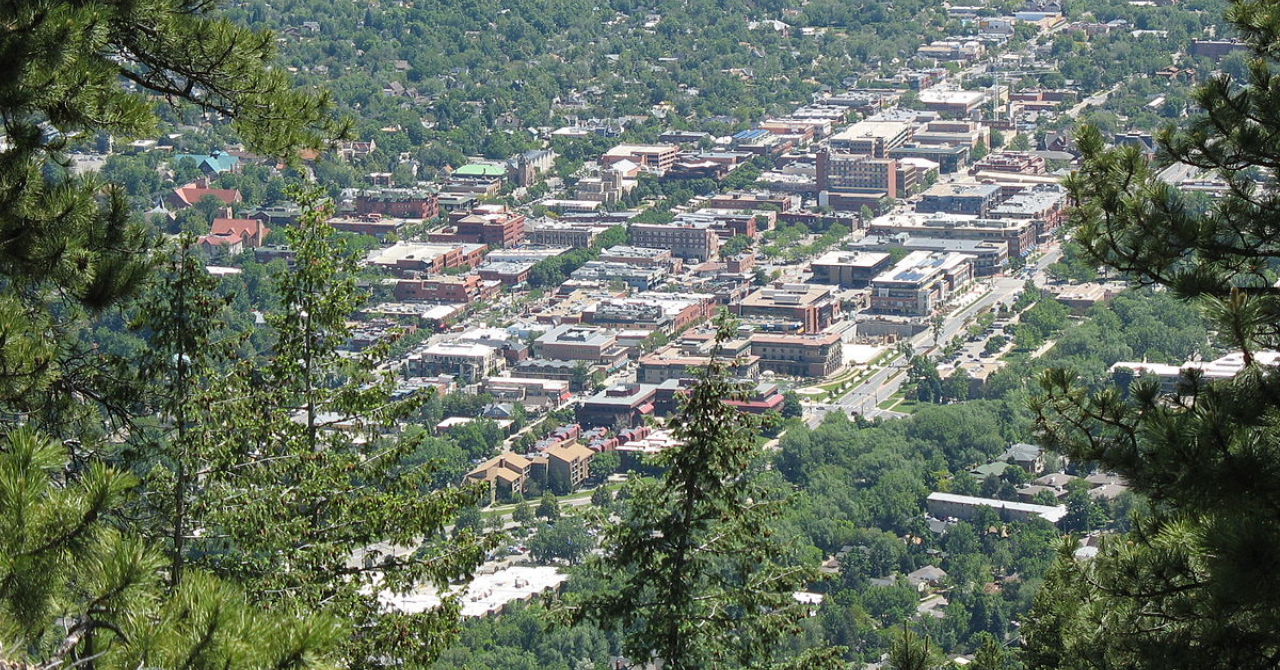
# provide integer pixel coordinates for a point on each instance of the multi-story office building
(1018, 234)
(920, 283)
(399, 202)
(807, 308)
(850, 269)
(687, 240)
(872, 138)
(972, 199)
(857, 173)
(464, 289)
(467, 361)
(799, 355)
(571, 342)
(658, 157)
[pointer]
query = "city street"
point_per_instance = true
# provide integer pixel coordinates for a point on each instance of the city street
(865, 398)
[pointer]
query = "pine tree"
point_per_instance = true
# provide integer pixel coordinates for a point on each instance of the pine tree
(184, 376)
(696, 576)
(72, 247)
(75, 591)
(299, 482)
(912, 652)
(1193, 585)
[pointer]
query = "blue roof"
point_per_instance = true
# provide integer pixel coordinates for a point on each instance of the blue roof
(750, 134)
(217, 161)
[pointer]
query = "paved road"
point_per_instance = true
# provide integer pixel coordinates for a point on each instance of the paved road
(865, 398)
(1095, 100)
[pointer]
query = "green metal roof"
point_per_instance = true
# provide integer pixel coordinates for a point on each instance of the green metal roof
(480, 170)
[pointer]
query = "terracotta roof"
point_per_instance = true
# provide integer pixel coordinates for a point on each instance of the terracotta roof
(192, 194)
(245, 227)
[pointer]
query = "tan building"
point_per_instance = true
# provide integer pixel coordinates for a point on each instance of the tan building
(799, 355)
(810, 308)
(857, 173)
(507, 475)
(872, 138)
(850, 269)
(652, 156)
(569, 462)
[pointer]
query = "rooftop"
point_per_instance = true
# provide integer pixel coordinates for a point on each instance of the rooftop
(865, 129)
(1052, 514)
(861, 259)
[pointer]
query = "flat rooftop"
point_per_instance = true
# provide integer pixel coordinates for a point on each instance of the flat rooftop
(872, 129)
(932, 96)
(919, 266)
(786, 297)
(406, 251)
(857, 259)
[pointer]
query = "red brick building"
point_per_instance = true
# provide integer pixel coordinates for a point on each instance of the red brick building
(464, 289)
(493, 225)
(403, 203)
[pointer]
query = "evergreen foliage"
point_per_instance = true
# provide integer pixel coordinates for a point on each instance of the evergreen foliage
(71, 243)
(1193, 584)
(75, 590)
(698, 576)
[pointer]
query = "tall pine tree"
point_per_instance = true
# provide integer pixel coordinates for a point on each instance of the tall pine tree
(1194, 584)
(696, 576)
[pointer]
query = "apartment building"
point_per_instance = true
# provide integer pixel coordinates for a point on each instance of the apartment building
(506, 474)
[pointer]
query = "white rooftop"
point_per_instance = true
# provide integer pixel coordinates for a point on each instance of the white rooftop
(487, 594)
